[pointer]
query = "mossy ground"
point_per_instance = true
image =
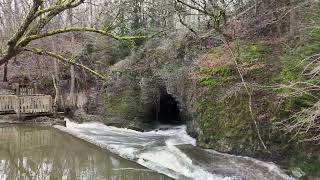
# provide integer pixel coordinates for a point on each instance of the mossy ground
(226, 121)
(223, 104)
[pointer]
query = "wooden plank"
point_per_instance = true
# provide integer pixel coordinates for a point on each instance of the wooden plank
(7, 102)
(26, 104)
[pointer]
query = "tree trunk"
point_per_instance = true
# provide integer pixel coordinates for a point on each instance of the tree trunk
(72, 101)
(5, 72)
(60, 101)
(293, 19)
(72, 87)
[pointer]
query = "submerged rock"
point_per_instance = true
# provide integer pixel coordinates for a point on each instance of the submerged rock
(81, 116)
(125, 123)
(297, 172)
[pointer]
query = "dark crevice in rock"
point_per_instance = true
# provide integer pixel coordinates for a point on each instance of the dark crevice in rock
(164, 110)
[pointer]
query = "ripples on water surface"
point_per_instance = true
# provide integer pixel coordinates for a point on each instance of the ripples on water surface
(39, 153)
(171, 151)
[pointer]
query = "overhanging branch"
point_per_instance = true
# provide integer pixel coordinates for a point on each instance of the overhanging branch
(33, 25)
(30, 38)
(39, 51)
(60, 6)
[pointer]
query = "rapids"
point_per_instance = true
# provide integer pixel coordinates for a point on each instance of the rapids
(162, 150)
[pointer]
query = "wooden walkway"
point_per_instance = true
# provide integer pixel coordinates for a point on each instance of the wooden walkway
(27, 103)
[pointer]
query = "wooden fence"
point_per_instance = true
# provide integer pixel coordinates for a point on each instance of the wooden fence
(26, 91)
(27, 104)
(8, 103)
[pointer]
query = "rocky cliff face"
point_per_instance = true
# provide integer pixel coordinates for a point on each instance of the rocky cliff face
(199, 76)
(139, 83)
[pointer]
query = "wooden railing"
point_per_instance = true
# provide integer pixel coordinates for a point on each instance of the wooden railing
(28, 104)
(35, 104)
(26, 91)
(8, 103)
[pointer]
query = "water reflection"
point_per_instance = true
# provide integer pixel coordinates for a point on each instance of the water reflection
(28, 152)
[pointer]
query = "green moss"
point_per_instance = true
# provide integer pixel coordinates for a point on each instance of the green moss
(123, 104)
(181, 50)
(220, 71)
(123, 99)
(287, 76)
(307, 162)
(216, 54)
(159, 56)
(208, 81)
(302, 101)
(294, 104)
(252, 52)
(206, 70)
(226, 122)
(223, 71)
(294, 62)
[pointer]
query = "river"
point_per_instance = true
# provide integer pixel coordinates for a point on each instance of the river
(47, 153)
(43, 153)
(170, 150)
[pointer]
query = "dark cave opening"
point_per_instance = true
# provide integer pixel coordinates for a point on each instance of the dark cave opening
(165, 111)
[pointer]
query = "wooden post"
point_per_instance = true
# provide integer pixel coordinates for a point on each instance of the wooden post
(18, 104)
(5, 72)
(35, 88)
(16, 88)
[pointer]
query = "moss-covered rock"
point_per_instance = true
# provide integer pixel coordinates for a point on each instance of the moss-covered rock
(211, 96)
(122, 97)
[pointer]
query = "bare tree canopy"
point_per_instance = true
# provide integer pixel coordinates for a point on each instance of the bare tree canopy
(36, 25)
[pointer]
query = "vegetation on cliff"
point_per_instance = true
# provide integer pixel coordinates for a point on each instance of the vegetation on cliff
(242, 75)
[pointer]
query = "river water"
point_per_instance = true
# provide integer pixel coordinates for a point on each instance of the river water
(32, 152)
(40, 153)
(170, 150)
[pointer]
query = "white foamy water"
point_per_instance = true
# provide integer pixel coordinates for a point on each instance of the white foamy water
(157, 150)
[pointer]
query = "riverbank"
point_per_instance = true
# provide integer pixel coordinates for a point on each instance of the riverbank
(41, 120)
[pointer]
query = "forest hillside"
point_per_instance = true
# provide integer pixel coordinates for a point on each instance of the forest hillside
(242, 75)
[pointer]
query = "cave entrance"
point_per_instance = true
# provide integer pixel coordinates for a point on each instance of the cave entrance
(166, 110)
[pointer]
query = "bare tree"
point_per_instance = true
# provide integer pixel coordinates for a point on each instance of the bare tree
(212, 11)
(33, 28)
